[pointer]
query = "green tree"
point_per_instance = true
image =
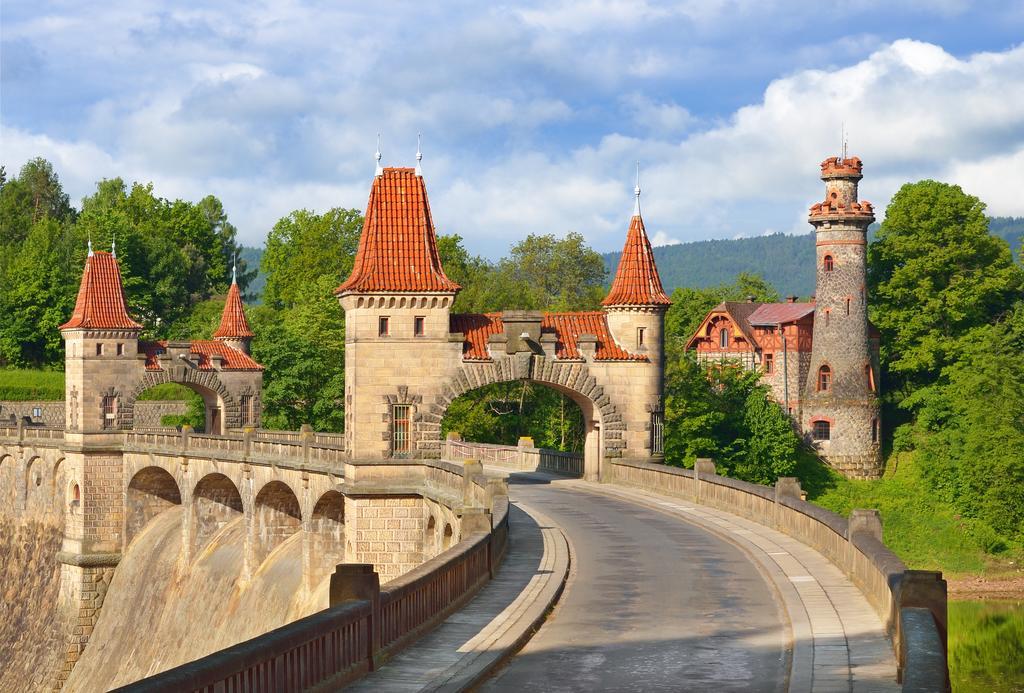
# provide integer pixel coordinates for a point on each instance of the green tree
(934, 273)
(543, 272)
(35, 194)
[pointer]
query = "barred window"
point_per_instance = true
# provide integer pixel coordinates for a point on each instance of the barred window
(109, 411)
(400, 436)
(822, 430)
(245, 404)
(657, 433)
(824, 379)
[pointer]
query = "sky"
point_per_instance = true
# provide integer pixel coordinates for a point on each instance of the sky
(533, 115)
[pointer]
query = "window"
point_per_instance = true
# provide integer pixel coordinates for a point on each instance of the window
(821, 430)
(120, 349)
(824, 379)
(37, 412)
(109, 410)
(384, 327)
(419, 326)
(400, 437)
(245, 405)
(657, 433)
(723, 338)
(874, 430)
(828, 264)
(869, 373)
(847, 305)
(640, 337)
(99, 350)
(769, 363)
(828, 317)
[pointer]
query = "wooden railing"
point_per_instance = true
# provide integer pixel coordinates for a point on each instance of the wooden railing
(854, 545)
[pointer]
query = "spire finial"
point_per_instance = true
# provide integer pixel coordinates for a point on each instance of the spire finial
(844, 139)
(234, 270)
(90, 244)
(419, 155)
(636, 191)
(113, 245)
(380, 169)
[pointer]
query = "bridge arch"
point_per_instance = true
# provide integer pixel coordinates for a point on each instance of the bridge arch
(150, 491)
(277, 516)
(603, 426)
(326, 529)
(222, 408)
(216, 502)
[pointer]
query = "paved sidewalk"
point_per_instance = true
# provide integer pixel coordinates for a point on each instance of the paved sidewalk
(470, 643)
(839, 643)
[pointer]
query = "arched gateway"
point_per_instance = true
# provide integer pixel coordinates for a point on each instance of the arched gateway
(407, 356)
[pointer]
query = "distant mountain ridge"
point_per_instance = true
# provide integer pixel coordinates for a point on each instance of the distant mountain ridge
(786, 262)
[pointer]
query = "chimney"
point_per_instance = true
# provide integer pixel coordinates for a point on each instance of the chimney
(791, 299)
(750, 299)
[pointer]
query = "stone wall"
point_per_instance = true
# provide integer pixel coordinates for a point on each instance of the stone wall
(51, 413)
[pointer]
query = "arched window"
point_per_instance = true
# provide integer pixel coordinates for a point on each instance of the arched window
(723, 338)
(821, 430)
(869, 373)
(827, 263)
(824, 379)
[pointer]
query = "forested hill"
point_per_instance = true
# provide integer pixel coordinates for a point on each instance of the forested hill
(785, 262)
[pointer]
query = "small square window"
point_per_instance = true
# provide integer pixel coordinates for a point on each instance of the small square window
(37, 412)
(384, 327)
(419, 326)
(99, 350)
(822, 430)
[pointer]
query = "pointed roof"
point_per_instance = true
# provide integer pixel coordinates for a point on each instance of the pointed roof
(232, 321)
(636, 280)
(398, 246)
(101, 304)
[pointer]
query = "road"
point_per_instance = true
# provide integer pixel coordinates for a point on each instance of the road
(653, 603)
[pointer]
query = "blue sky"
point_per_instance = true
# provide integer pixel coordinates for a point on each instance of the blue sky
(532, 114)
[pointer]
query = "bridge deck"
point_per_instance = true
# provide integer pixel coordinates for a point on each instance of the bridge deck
(664, 595)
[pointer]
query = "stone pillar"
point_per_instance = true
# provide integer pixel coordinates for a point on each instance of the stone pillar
(865, 522)
(924, 589)
(702, 466)
(385, 531)
(358, 582)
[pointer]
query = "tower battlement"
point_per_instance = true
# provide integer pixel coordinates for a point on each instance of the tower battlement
(838, 167)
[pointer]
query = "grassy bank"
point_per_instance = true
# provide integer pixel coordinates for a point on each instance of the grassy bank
(924, 531)
(31, 385)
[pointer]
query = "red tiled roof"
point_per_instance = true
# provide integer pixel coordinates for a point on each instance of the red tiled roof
(398, 246)
(636, 280)
(101, 303)
(234, 360)
(567, 328)
(779, 313)
(232, 320)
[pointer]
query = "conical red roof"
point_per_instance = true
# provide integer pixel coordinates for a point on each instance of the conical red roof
(398, 247)
(101, 303)
(636, 280)
(232, 320)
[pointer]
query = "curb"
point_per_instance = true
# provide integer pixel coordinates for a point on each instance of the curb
(497, 647)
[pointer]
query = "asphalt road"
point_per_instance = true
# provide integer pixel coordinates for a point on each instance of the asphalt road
(653, 604)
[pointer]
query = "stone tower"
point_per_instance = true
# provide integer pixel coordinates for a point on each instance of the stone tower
(635, 309)
(840, 409)
(397, 303)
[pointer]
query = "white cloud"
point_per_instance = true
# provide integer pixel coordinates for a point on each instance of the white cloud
(662, 238)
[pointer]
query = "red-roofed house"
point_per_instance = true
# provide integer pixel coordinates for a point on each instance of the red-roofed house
(407, 357)
(107, 367)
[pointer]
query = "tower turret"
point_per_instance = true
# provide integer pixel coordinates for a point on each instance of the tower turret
(234, 329)
(841, 402)
(635, 308)
(397, 295)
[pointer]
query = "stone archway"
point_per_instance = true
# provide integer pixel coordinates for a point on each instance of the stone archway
(604, 428)
(205, 383)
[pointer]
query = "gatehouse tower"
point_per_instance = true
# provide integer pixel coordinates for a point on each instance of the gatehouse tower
(840, 410)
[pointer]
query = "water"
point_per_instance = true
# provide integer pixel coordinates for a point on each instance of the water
(986, 646)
